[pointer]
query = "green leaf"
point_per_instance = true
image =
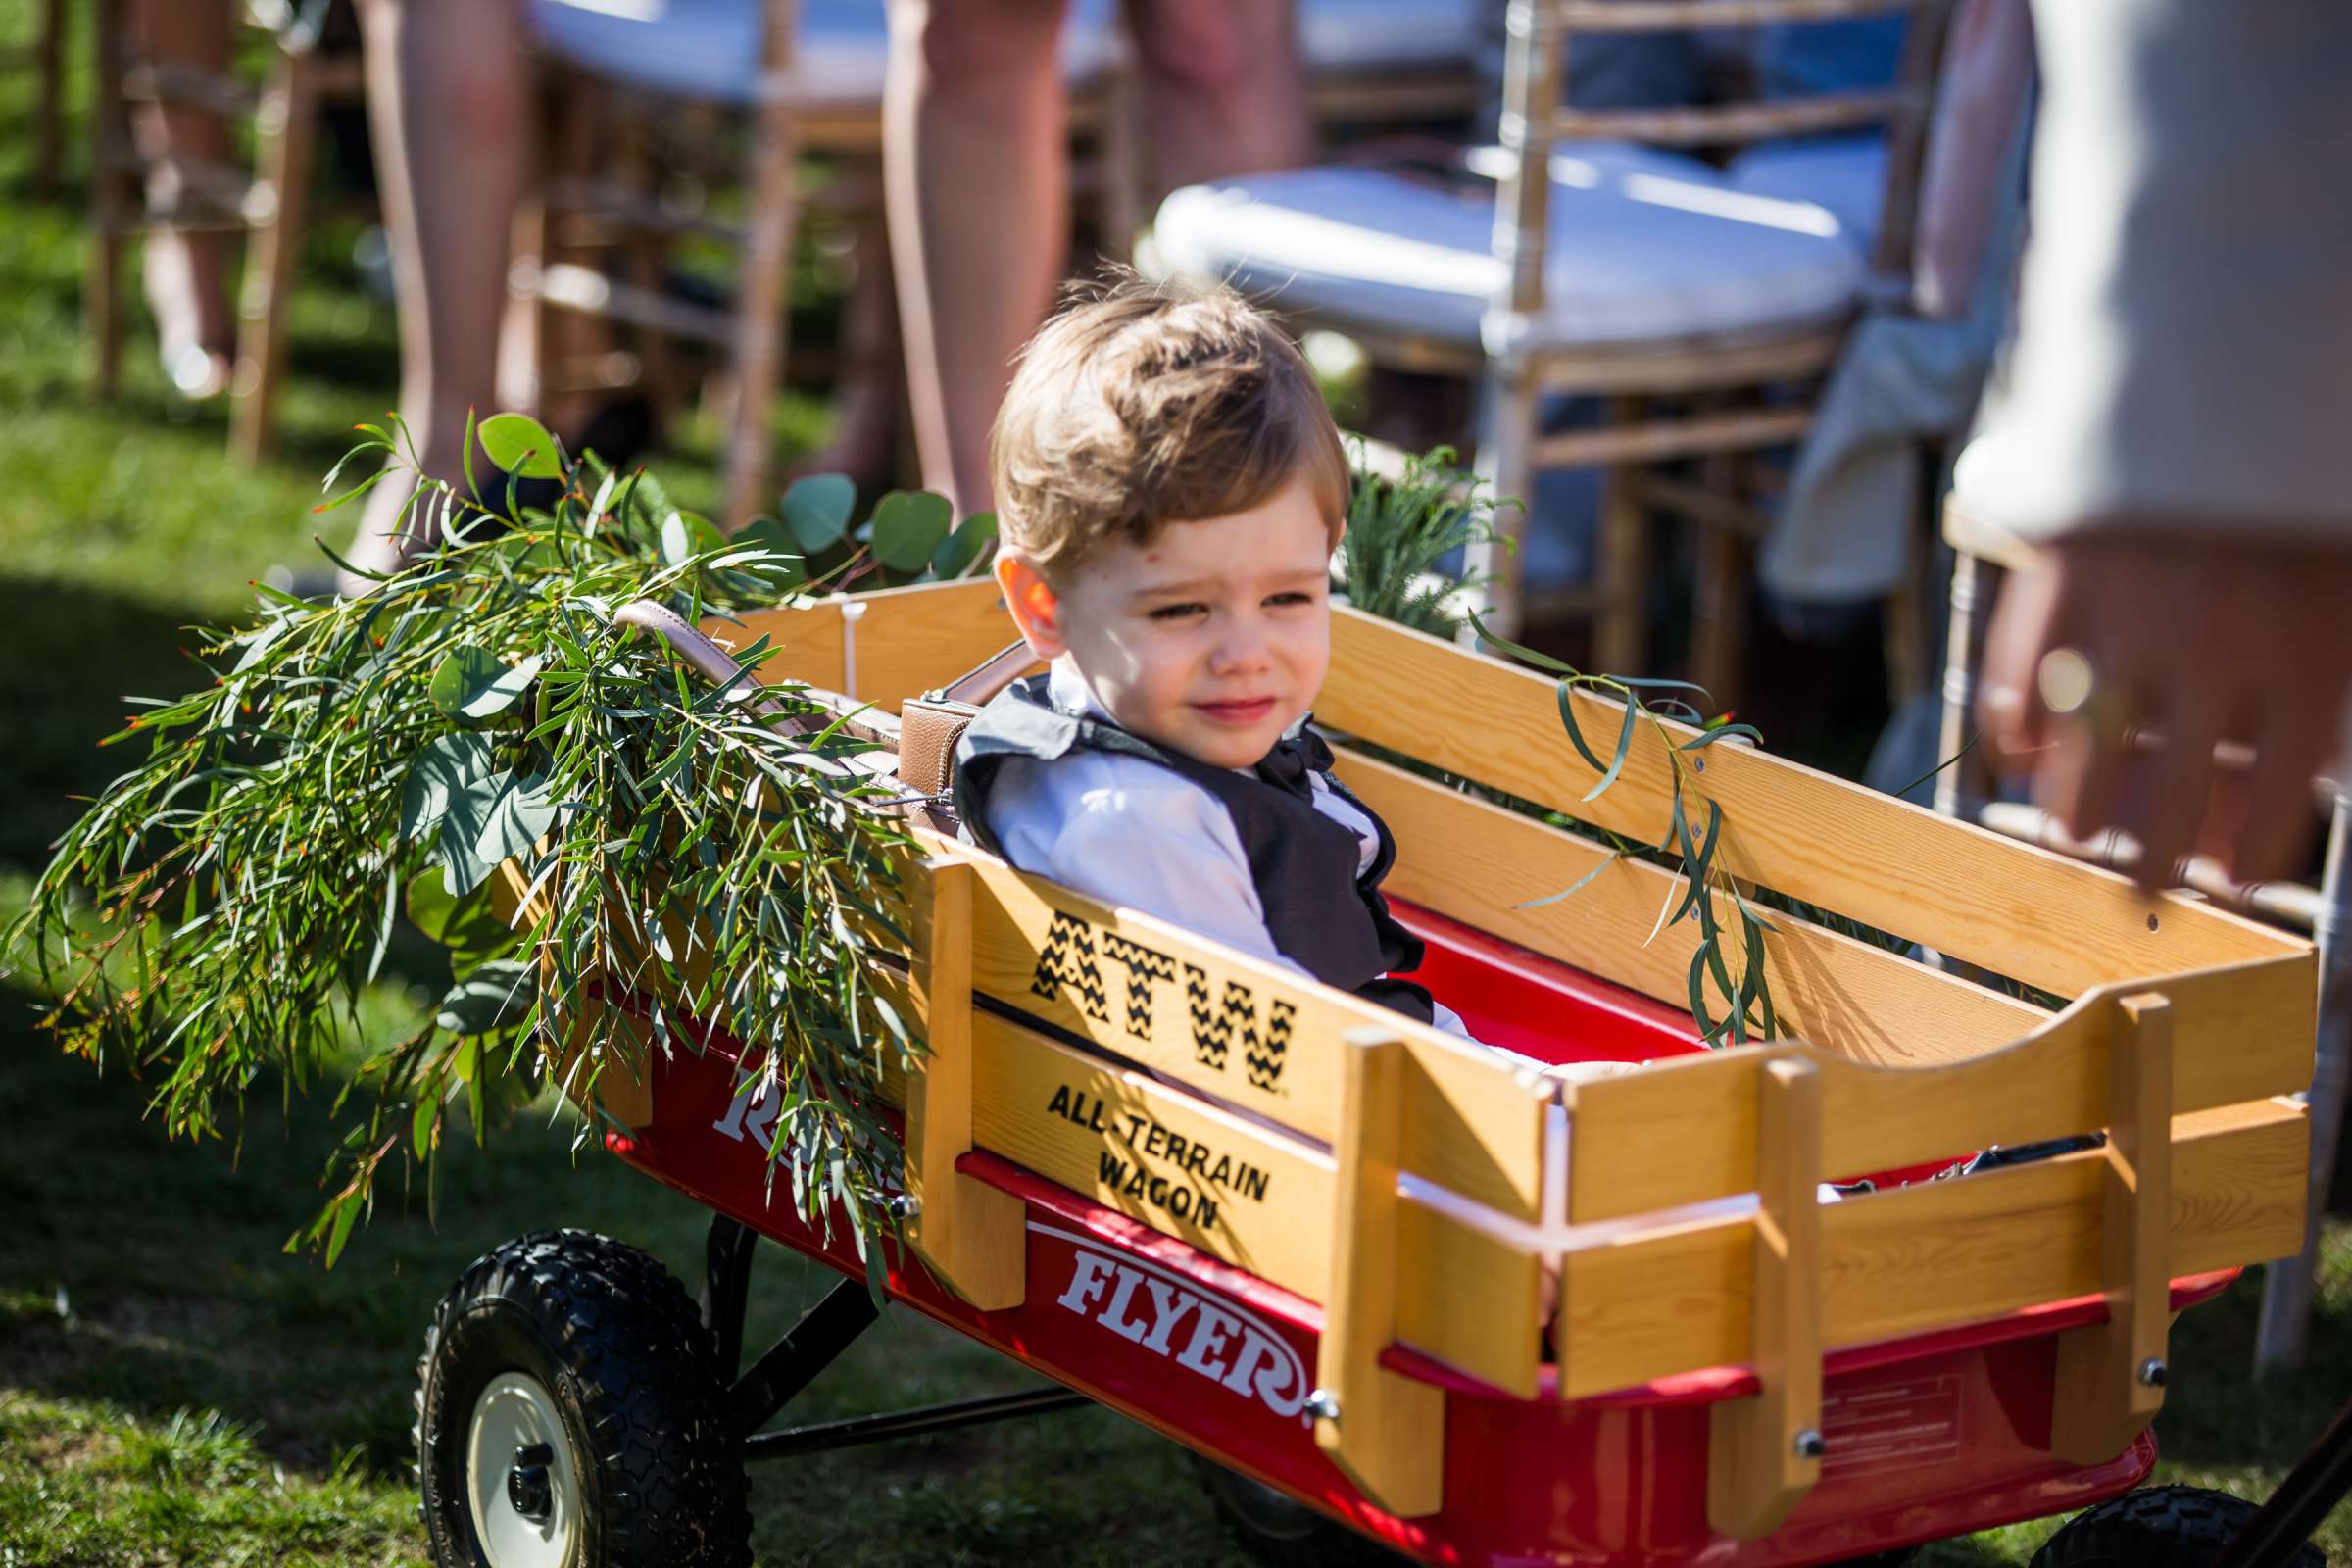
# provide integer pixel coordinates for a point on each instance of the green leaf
(1521, 653)
(961, 549)
(520, 444)
(1625, 741)
(516, 821)
(1611, 859)
(347, 1209)
(1696, 861)
(463, 825)
(1711, 737)
(817, 508)
(497, 996)
(685, 536)
(1576, 736)
(909, 526)
(422, 1124)
(443, 769)
(470, 682)
(784, 571)
(465, 925)
(1699, 993)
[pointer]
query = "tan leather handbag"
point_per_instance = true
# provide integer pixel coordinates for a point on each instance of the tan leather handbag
(930, 725)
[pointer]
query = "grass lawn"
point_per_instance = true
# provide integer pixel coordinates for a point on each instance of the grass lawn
(174, 1388)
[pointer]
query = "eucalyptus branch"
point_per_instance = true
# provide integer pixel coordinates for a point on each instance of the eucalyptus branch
(675, 868)
(1734, 969)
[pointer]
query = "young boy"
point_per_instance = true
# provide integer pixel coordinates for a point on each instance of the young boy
(1169, 489)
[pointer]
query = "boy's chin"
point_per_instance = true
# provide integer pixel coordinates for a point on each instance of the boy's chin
(1220, 746)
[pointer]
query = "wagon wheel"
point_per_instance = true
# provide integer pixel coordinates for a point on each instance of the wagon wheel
(2159, 1527)
(569, 1414)
(1275, 1527)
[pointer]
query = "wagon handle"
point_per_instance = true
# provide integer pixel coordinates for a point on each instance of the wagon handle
(709, 658)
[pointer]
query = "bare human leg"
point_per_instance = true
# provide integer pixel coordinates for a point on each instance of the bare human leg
(185, 273)
(976, 176)
(450, 109)
(1221, 88)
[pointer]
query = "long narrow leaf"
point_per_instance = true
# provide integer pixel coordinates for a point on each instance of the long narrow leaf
(1625, 741)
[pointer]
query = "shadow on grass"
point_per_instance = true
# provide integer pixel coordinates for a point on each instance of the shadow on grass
(75, 651)
(2219, 1415)
(166, 1258)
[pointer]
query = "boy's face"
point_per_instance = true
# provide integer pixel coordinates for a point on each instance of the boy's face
(1211, 640)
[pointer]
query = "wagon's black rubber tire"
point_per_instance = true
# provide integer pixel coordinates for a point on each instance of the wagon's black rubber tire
(621, 1349)
(1275, 1527)
(2157, 1527)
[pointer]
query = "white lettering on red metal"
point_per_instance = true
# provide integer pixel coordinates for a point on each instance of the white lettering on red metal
(751, 1116)
(1172, 1317)
(1895, 1425)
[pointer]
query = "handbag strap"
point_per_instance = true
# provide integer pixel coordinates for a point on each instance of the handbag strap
(990, 677)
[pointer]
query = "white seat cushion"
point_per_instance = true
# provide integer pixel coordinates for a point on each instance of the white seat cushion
(1346, 36)
(1847, 174)
(710, 49)
(1646, 247)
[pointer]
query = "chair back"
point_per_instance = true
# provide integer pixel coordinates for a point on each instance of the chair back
(1543, 33)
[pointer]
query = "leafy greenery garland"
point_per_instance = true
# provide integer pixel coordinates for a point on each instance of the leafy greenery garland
(1736, 971)
(1401, 534)
(218, 910)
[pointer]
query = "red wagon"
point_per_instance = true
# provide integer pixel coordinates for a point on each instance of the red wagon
(1360, 1265)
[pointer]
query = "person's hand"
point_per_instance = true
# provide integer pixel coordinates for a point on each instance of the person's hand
(2200, 637)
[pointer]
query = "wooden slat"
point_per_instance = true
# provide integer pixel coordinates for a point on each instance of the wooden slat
(807, 638)
(1387, 1431)
(1933, 1256)
(904, 641)
(2007, 907)
(1760, 1463)
(915, 640)
(2102, 1398)
(1241, 1192)
(1662, 439)
(1683, 1131)
(973, 1237)
(1731, 123)
(1129, 983)
(1474, 862)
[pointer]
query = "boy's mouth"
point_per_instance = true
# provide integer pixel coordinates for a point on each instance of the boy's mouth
(1235, 710)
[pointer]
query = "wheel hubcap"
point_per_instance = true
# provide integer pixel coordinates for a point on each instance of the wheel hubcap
(523, 1486)
(528, 1487)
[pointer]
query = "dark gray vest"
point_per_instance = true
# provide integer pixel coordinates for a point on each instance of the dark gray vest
(1298, 858)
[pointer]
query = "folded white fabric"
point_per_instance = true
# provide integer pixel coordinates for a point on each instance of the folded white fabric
(1646, 247)
(710, 49)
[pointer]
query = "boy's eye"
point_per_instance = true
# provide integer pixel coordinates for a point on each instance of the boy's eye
(1294, 597)
(1183, 611)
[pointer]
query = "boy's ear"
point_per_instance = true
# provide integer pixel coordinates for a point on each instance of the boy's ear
(1036, 608)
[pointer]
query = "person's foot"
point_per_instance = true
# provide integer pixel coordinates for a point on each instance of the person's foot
(195, 334)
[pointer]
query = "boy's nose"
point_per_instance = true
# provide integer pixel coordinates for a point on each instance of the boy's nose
(1242, 650)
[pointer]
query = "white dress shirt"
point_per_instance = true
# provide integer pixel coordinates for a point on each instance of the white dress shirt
(1140, 836)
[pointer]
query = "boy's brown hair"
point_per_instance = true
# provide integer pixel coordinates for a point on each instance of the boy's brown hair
(1140, 405)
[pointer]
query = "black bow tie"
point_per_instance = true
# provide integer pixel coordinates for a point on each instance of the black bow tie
(1293, 760)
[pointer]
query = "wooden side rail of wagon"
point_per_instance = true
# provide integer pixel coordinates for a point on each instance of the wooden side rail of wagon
(1420, 1188)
